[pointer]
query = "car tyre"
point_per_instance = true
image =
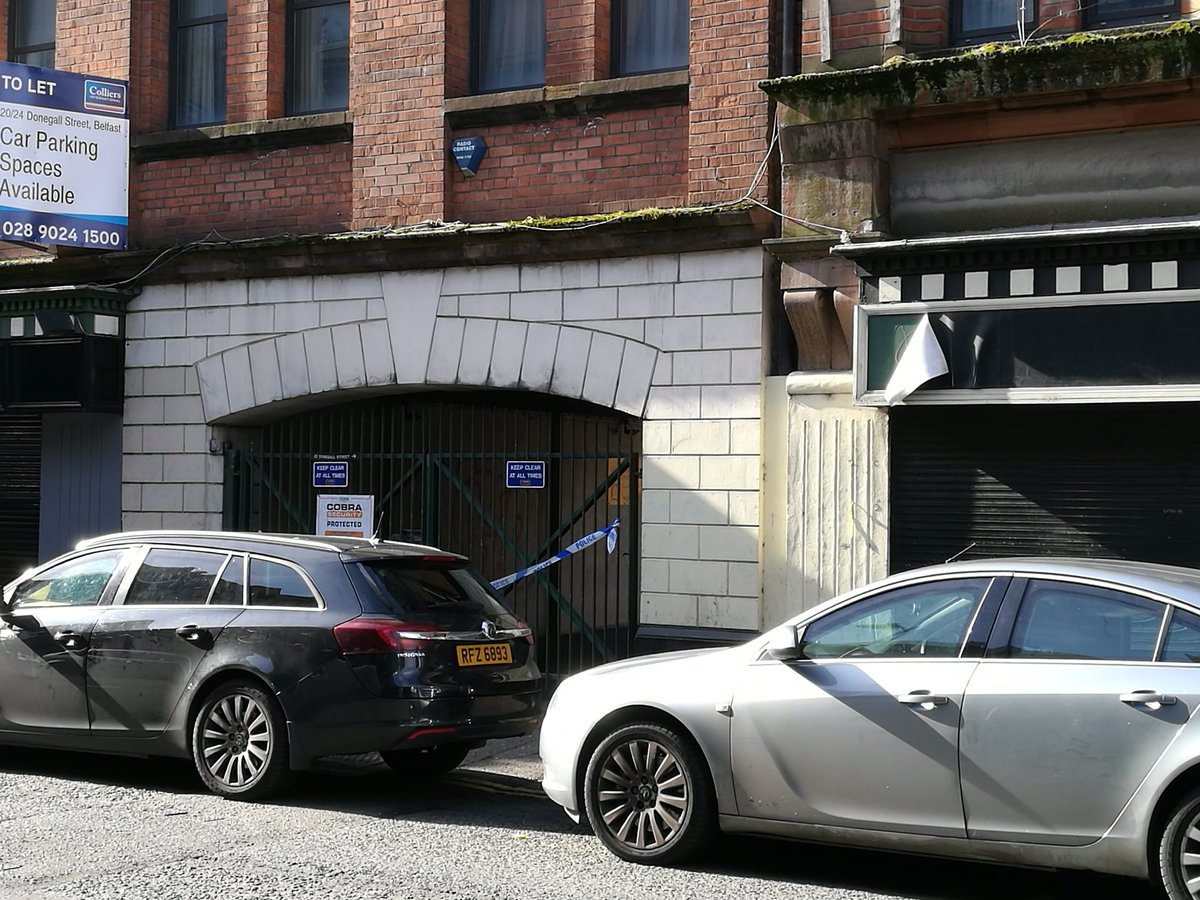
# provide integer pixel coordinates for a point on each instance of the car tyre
(1179, 848)
(239, 742)
(426, 760)
(648, 795)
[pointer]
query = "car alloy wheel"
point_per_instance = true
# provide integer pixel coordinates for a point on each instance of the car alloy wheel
(239, 742)
(1179, 850)
(648, 794)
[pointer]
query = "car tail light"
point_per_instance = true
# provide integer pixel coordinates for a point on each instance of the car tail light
(381, 634)
(523, 630)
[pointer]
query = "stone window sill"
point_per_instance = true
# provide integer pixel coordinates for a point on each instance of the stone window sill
(562, 101)
(269, 134)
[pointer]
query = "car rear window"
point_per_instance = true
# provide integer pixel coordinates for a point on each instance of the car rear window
(418, 588)
(274, 584)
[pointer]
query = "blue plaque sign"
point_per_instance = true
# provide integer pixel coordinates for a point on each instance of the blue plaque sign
(331, 473)
(525, 473)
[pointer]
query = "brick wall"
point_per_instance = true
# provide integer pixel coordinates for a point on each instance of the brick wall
(562, 167)
(255, 63)
(458, 49)
(299, 190)
(407, 57)
(926, 23)
(149, 65)
(571, 30)
(398, 81)
(93, 36)
(729, 126)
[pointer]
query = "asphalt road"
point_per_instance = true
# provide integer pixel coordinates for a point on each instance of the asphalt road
(81, 826)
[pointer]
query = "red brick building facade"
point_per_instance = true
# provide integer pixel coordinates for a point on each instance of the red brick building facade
(582, 143)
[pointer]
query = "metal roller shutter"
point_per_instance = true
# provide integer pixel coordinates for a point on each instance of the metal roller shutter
(20, 487)
(1095, 480)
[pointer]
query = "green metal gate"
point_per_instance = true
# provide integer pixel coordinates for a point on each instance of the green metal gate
(436, 465)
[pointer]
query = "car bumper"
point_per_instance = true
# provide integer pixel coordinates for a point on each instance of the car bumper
(560, 746)
(340, 717)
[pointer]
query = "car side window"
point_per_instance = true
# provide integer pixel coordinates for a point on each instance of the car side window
(175, 578)
(77, 582)
(1059, 620)
(231, 586)
(274, 584)
(1183, 638)
(928, 620)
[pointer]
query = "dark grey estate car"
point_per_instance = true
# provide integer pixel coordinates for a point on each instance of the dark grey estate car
(255, 654)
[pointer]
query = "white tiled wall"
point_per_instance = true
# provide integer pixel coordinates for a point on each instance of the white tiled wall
(672, 339)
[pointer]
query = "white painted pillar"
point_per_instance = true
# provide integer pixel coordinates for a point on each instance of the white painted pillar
(834, 536)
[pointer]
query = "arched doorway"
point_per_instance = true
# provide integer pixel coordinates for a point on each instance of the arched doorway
(436, 465)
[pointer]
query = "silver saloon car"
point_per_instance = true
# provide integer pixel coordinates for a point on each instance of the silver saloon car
(1027, 711)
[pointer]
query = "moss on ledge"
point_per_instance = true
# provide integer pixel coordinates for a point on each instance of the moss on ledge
(993, 71)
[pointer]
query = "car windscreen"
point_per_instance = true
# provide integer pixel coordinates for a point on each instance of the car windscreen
(445, 594)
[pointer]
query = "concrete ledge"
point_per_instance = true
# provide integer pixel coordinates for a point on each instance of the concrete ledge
(800, 384)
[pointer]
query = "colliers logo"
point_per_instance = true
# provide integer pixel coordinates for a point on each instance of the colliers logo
(104, 96)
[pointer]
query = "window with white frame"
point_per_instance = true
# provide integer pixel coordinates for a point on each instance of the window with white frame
(198, 63)
(318, 56)
(508, 45)
(649, 36)
(31, 32)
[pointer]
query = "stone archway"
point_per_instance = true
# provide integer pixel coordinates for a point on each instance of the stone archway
(415, 346)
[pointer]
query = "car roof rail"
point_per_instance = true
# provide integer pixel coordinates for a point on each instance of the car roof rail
(337, 545)
(166, 534)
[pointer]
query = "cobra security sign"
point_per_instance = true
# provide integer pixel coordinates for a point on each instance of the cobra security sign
(64, 158)
(350, 515)
(525, 473)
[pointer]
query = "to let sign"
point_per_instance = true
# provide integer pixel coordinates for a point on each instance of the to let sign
(64, 158)
(525, 473)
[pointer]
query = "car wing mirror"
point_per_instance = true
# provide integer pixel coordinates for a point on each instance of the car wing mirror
(788, 647)
(18, 621)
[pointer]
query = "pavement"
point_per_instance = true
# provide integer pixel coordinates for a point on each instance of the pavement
(515, 757)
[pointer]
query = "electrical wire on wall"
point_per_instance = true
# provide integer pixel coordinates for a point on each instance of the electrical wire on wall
(434, 226)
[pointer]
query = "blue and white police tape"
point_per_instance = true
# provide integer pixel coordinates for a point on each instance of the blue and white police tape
(610, 531)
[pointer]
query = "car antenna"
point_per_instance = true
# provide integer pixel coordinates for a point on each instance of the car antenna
(962, 551)
(378, 526)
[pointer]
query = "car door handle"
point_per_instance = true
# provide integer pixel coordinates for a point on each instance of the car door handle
(1148, 697)
(70, 640)
(920, 698)
(193, 634)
